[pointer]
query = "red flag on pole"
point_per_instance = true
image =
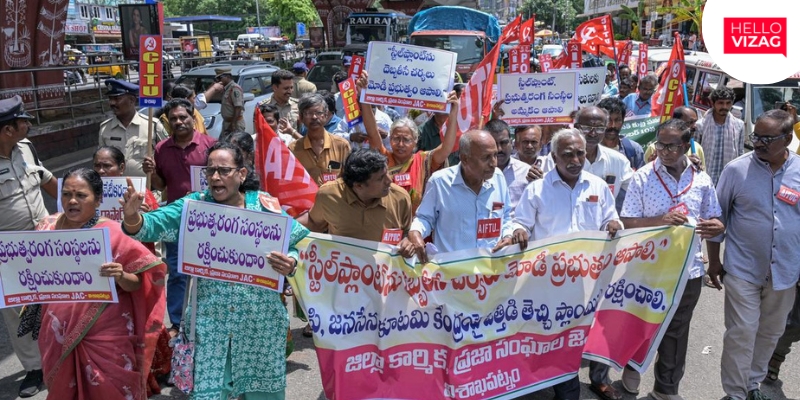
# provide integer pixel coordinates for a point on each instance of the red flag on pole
(511, 31)
(596, 32)
(670, 92)
(526, 32)
(280, 173)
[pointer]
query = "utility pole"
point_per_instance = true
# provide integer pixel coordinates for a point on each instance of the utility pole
(258, 17)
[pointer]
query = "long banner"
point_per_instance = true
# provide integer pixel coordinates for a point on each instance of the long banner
(54, 266)
(476, 325)
(231, 244)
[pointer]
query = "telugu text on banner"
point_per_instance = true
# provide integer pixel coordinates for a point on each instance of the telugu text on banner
(231, 243)
(113, 190)
(55, 266)
(409, 76)
(475, 325)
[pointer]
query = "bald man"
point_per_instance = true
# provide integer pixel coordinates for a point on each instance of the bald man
(452, 191)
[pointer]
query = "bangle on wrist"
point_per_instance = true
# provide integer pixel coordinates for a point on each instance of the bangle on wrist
(127, 225)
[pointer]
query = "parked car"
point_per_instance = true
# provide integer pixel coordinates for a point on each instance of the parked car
(321, 73)
(328, 55)
(255, 80)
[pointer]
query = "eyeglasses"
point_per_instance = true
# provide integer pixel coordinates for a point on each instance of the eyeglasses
(318, 114)
(401, 140)
(672, 148)
(767, 140)
(223, 171)
(591, 130)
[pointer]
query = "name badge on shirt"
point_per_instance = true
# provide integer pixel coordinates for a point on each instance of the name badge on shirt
(497, 206)
(4, 171)
(489, 228)
(788, 196)
(270, 203)
(681, 208)
(403, 180)
(391, 236)
(115, 139)
(328, 177)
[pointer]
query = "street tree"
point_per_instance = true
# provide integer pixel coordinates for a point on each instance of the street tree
(687, 10)
(287, 13)
(633, 16)
(565, 12)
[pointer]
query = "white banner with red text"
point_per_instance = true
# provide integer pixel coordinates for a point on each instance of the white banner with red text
(113, 190)
(476, 325)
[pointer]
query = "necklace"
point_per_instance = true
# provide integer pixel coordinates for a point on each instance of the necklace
(89, 224)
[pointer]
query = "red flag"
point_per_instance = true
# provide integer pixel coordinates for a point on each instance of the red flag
(573, 50)
(511, 31)
(670, 94)
(561, 61)
(624, 52)
(641, 65)
(545, 62)
(526, 32)
(356, 66)
(520, 59)
(280, 173)
(595, 32)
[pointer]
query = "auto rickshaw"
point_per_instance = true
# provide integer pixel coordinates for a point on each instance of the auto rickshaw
(105, 65)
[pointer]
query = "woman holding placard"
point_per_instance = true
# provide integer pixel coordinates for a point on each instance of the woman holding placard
(102, 351)
(240, 329)
(408, 167)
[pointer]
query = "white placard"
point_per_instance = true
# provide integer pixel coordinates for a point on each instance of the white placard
(591, 82)
(409, 76)
(54, 267)
(545, 98)
(231, 243)
(199, 181)
(114, 189)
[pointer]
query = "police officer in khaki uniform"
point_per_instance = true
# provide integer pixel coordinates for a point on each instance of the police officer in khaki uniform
(232, 105)
(21, 207)
(282, 87)
(302, 86)
(127, 130)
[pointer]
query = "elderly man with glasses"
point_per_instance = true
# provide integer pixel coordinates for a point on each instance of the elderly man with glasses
(321, 153)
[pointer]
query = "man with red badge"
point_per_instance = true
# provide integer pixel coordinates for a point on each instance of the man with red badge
(673, 191)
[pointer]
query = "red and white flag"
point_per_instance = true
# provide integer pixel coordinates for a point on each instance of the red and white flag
(526, 32)
(596, 32)
(280, 173)
(511, 31)
(670, 91)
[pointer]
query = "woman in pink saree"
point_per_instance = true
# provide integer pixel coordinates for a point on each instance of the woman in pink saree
(102, 351)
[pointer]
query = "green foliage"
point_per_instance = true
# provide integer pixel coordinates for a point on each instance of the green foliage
(290, 12)
(631, 15)
(565, 12)
(687, 10)
(283, 13)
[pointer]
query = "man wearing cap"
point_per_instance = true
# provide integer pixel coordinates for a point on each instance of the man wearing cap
(301, 85)
(232, 102)
(22, 206)
(127, 130)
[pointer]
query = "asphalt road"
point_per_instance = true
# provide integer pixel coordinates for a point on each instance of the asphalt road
(701, 382)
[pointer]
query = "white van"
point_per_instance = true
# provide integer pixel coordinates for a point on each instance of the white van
(248, 39)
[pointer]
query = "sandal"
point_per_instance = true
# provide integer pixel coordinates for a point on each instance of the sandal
(174, 331)
(773, 370)
(308, 331)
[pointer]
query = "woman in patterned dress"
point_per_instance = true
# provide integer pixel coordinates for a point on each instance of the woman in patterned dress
(240, 329)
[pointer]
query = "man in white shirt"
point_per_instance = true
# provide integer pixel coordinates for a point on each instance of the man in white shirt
(466, 206)
(568, 199)
(607, 164)
(515, 171)
(673, 191)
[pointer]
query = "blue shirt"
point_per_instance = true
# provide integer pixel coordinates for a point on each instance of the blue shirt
(635, 106)
(451, 210)
(762, 235)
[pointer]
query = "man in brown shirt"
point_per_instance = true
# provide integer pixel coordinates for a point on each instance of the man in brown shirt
(320, 153)
(363, 203)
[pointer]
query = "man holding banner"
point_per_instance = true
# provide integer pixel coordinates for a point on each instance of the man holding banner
(474, 184)
(568, 193)
(673, 191)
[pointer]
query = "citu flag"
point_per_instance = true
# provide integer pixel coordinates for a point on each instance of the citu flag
(670, 92)
(594, 33)
(280, 173)
(526, 32)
